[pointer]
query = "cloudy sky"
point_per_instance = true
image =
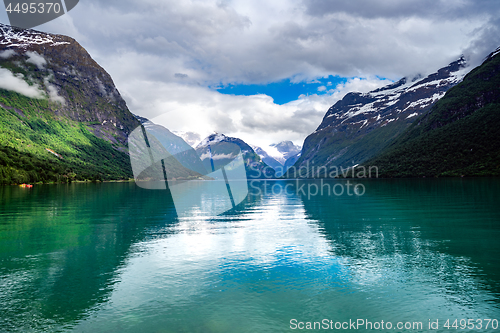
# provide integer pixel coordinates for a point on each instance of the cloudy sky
(267, 71)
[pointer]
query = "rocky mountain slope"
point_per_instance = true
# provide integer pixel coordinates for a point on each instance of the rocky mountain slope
(172, 156)
(254, 165)
(458, 137)
(62, 117)
(360, 125)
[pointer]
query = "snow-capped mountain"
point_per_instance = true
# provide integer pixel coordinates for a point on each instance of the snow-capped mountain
(254, 165)
(457, 137)
(360, 125)
(264, 156)
(62, 70)
(494, 53)
(276, 155)
(63, 107)
(283, 151)
(24, 38)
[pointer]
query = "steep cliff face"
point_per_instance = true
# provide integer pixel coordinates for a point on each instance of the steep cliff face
(62, 117)
(458, 137)
(360, 125)
(79, 88)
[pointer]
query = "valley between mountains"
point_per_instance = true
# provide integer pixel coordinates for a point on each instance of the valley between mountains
(62, 120)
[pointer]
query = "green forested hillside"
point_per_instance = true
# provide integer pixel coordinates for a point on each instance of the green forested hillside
(28, 128)
(460, 136)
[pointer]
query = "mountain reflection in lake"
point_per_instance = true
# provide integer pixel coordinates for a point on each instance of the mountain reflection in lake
(116, 258)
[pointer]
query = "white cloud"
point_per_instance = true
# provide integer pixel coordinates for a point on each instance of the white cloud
(36, 59)
(16, 83)
(255, 119)
(191, 138)
(264, 41)
(163, 54)
(6, 54)
(53, 92)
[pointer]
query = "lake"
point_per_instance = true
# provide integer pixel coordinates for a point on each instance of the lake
(113, 257)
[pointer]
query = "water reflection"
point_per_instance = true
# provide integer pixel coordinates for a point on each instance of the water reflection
(114, 258)
(436, 240)
(282, 256)
(60, 247)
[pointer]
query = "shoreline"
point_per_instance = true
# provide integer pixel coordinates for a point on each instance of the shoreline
(260, 179)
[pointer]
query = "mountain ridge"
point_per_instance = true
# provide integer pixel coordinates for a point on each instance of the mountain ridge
(56, 99)
(360, 125)
(458, 137)
(254, 166)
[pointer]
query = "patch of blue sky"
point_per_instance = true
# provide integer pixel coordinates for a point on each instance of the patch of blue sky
(285, 91)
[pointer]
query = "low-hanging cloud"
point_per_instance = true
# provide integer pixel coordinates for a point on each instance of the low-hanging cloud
(6, 54)
(16, 83)
(53, 91)
(36, 59)
(487, 40)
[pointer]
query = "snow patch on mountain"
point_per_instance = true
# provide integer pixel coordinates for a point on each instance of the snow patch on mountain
(217, 156)
(211, 139)
(497, 51)
(421, 103)
(15, 37)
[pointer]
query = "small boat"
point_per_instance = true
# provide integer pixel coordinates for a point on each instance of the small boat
(26, 185)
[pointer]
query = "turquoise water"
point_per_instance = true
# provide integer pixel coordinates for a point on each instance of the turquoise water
(115, 258)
